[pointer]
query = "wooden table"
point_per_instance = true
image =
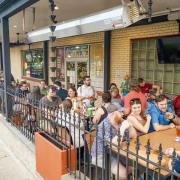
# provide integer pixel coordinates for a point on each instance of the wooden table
(166, 138)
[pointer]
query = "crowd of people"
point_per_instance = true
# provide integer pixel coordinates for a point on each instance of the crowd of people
(137, 106)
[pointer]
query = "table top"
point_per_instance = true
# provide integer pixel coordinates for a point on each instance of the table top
(166, 138)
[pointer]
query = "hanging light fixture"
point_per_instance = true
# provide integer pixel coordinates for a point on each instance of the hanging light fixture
(18, 41)
(52, 38)
(150, 10)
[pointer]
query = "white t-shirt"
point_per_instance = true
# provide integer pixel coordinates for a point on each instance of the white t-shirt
(86, 91)
(72, 123)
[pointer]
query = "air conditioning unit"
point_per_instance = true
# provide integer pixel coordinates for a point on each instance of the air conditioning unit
(131, 13)
(174, 16)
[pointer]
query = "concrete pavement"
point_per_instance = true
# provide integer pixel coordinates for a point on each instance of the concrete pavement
(17, 157)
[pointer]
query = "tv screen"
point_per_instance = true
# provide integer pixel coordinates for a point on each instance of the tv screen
(168, 50)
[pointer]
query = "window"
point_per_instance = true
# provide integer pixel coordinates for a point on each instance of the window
(97, 65)
(145, 65)
(33, 63)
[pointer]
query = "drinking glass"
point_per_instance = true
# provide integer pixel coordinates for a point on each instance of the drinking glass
(178, 133)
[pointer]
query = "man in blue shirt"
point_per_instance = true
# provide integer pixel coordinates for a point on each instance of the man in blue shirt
(162, 117)
(62, 93)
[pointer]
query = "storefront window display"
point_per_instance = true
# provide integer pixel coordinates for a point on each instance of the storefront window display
(77, 64)
(33, 63)
(77, 51)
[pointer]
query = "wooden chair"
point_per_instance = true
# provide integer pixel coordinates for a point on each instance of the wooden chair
(64, 135)
(89, 138)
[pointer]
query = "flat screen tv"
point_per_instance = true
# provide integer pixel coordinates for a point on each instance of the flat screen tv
(168, 50)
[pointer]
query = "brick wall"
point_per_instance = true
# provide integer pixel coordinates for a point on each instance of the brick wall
(75, 40)
(121, 45)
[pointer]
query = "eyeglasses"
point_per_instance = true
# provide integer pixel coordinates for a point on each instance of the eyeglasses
(135, 100)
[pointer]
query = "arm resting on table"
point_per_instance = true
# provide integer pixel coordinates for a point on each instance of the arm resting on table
(159, 127)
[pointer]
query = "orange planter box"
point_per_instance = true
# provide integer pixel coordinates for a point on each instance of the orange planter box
(51, 161)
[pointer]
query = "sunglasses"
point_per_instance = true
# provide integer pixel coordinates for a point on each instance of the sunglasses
(135, 100)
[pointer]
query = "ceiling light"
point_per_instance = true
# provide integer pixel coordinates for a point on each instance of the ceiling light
(68, 25)
(102, 16)
(39, 32)
(56, 7)
(15, 26)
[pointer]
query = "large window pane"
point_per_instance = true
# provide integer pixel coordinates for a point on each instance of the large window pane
(33, 63)
(145, 64)
(150, 65)
(168, 76)
(150, 55)
(167, 87)
(158, 75)
(177, 76)
(177, 88)
(142, 44)
(151, 44)
(149, 76)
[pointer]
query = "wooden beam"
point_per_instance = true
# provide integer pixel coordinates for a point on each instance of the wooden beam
(10, 7)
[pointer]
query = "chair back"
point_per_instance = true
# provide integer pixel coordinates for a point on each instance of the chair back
(89, 137)
(64, 135)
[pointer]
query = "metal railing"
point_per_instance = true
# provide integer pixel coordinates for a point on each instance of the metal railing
(94, 152)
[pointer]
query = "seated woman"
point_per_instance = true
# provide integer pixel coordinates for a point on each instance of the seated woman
(34, 97)
(140, 124)
(108, 128)
(104, 110)
(76, 102)
(67, 119)
(113, 85)
(115, 98)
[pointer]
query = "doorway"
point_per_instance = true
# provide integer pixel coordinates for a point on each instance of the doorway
(75, 71)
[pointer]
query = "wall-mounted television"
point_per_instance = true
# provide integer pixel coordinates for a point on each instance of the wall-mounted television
(168, 50)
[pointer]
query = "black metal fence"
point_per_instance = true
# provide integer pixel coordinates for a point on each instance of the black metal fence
(98, 151)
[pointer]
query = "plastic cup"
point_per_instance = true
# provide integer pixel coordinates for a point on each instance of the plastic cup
(178, 133)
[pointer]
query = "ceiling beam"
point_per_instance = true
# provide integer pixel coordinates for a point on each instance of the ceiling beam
(10, 7)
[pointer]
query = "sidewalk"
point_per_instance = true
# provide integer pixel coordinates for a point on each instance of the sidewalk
(17, 158)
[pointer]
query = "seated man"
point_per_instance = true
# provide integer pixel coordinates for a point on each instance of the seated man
(162, 117)
(20, 98)
(145, 87)
(48, 106)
